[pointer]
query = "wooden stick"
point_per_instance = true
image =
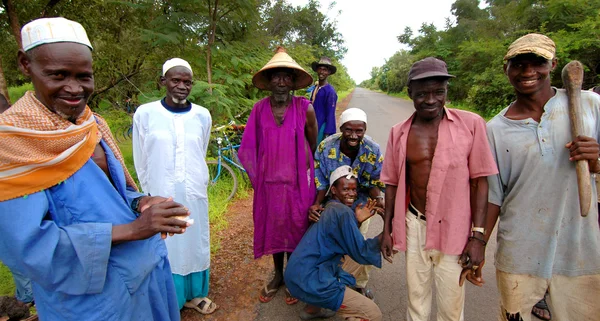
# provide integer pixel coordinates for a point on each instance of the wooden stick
(572, 76)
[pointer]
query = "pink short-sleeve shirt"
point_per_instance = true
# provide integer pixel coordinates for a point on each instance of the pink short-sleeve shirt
(462, 153)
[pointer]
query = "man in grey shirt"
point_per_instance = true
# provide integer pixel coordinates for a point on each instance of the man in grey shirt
(543, 241)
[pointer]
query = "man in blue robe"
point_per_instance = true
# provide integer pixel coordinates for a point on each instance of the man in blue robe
(324, 98)
(71, 217)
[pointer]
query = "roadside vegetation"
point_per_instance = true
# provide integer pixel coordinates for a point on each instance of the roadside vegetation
(476, 37)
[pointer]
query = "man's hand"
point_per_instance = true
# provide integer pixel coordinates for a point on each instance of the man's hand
(314, 212)
(584, 147)
(473, 275)
(158, 218)
(473, 254)
(386, 246)
(364, 211)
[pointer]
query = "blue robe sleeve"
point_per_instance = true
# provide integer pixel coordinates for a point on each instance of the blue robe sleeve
(330, 105)
(365, 252)
(69, 259)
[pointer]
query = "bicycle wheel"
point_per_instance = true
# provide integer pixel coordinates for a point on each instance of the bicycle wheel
(223, 186)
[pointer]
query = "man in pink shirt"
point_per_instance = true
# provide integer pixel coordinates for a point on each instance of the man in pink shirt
(436, 164)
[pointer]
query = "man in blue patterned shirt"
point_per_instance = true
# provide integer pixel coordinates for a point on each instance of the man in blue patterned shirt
(350, 147)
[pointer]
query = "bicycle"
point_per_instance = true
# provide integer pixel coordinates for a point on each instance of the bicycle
(216, 166)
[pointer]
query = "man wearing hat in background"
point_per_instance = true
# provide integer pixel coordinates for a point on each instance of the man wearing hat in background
(442, 228)
(324, 98)
(350, 147)
(277, 152)
(72, 220)
(543, 241)
(170, 139)
(315, 273)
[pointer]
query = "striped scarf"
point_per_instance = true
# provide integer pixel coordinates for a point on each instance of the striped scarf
(39, 149)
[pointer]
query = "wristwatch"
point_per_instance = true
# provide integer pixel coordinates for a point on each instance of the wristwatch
(135, 204)
(478, 229)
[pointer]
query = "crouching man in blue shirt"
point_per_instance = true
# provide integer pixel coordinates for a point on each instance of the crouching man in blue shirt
(320, 270)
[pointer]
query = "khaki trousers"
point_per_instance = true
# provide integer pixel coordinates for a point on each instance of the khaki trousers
(362, 278)
(570, 298)
(423, 267)
(356, 306)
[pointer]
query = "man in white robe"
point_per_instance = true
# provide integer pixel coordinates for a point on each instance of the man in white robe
(170, 139)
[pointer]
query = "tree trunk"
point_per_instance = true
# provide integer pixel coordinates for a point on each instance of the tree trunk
(211, 40)
(3, 85)
(13, 20)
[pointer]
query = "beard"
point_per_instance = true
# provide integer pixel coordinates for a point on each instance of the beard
(179, 101)
(70, 118)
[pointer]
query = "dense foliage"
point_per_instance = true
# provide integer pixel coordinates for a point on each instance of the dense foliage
(475, 39)
(225, 41)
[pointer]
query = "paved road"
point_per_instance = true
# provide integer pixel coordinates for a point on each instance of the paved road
(389, 283)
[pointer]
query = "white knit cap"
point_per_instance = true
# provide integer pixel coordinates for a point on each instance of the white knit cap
(338, 173)
(50, 30)
(351, 114)
(175, 62)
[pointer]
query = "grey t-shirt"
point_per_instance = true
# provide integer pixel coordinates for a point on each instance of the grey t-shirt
(541, 231)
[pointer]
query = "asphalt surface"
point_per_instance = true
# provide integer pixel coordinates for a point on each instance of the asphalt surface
(389, 283)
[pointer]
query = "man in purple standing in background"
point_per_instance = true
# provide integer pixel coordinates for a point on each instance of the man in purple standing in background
(276, 151)
(324, 98)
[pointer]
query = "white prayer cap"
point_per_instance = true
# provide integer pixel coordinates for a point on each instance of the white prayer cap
(176, 62)
(338, 173)
(50, 30)
(351, 114)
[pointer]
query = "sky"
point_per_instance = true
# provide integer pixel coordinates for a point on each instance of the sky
(371, 27)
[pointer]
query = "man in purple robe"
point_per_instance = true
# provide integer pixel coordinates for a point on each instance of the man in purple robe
(324, 98)
(276, 151)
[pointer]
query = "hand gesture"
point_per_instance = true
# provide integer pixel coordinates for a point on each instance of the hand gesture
(364, 211)
(314, 213)
(473, 254)
(473, 275)
(159, 218)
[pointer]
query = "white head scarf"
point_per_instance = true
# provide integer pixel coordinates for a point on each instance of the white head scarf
(338, 173)
(175, 62)
(351, 114)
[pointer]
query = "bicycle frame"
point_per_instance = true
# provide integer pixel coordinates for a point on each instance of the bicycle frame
(221, 157)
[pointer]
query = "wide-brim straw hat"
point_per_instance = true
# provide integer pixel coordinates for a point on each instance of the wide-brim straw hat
(324, 61)
(281, 59)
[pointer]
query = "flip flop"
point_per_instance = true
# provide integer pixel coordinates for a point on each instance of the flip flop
(322, 314)
(266, 294)
(542, 306)
(196, 304)
(289, 299)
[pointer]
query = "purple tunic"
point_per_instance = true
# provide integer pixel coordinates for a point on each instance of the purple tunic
(275, 157)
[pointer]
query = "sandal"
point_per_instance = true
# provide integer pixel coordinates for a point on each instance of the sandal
(266, 294)
(541, 305)
(289, 299)
(202, 305)
(322, 314)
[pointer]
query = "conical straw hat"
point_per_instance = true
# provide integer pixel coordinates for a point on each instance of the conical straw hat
(282, 60)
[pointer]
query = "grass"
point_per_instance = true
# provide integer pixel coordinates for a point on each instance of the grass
(343, 94)
(7, 285)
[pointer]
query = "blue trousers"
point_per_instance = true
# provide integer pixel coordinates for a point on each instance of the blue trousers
(24, 293)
